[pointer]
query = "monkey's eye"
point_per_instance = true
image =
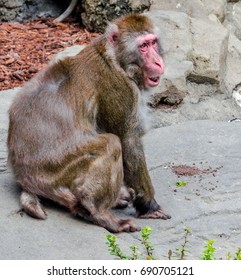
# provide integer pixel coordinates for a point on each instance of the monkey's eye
(154, 42)
(143, 46)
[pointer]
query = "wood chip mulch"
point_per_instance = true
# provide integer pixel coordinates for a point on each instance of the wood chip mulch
(25, 48)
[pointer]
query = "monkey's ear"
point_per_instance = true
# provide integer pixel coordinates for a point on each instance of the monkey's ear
(112, 33)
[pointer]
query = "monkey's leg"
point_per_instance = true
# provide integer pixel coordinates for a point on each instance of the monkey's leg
(137, 177)
(98, 190)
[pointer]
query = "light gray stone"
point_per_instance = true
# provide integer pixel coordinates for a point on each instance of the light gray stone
(193, 8)
(232, 71)
(215, 7)
(234, 18)
(209, 45)
(203, 102)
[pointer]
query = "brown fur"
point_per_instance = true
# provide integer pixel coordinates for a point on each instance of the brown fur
(72, 130)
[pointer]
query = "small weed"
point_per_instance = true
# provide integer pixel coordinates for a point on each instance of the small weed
(181, 184)
(209, 250)
(145, 235)
(238, 255)
(115, 250)
(182, 252)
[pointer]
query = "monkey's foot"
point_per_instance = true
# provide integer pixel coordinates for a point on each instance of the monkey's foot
(32, 206)
(157, 214)
(127, 226)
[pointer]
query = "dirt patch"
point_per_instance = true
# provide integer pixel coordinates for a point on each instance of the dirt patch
(27, 47)
(186, 170)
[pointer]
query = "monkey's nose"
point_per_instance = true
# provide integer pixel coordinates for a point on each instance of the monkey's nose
(160, 67)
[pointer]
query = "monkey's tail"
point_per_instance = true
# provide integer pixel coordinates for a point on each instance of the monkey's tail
(32, 206)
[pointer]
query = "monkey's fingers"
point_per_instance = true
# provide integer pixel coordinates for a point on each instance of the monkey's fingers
(128, 226)
(157, 214)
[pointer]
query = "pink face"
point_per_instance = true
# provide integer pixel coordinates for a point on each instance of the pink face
(153, 64)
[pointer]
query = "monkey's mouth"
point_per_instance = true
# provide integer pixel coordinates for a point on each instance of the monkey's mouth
(153, 81)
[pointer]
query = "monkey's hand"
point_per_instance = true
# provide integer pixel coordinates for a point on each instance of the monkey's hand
(149, 210)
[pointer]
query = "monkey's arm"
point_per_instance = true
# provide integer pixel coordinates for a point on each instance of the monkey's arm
(136, 176)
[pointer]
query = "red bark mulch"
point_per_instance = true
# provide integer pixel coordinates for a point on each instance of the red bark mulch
(25, 48)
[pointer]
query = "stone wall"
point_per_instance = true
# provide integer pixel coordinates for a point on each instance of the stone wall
(202, 51)
(96, 13)
(20, 10)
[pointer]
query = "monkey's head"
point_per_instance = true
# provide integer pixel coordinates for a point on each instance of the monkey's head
(133, 42)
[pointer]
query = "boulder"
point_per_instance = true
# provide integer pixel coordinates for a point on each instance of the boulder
(233, 17)
(193, 8)
(215, 7)
(232, 70)
(96, 13)
(209, 47)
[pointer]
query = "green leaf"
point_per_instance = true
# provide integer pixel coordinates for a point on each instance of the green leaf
(181, 184)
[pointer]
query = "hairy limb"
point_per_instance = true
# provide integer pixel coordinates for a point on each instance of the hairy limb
(136, 176)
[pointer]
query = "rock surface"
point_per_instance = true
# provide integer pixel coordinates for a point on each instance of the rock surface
(19, 10)
(96, 13)
(204, 154)
(202, 54)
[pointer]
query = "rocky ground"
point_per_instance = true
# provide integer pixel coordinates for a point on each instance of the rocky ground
(193, 142)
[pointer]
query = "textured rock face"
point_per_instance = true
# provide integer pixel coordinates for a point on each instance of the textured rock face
(96, 13)
(202, 54)
(26, 10)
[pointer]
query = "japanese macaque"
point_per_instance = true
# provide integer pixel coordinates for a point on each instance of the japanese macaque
(75, 129)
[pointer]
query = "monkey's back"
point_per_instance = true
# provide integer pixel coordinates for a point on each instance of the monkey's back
(63, 106)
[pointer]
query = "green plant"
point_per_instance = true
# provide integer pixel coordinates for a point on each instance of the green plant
(135, 253)
(238, 254)
(209, 250)
(145, 234)
(115, 250)
(181, 184)
(181, 252)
